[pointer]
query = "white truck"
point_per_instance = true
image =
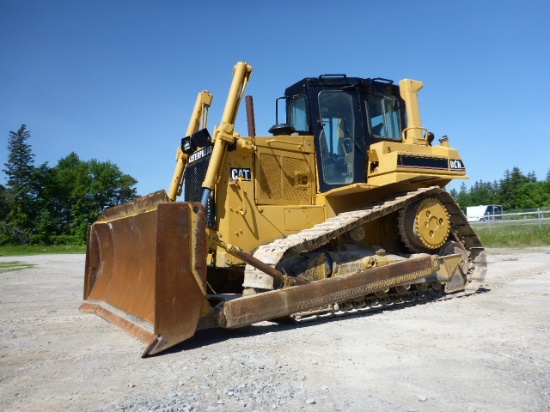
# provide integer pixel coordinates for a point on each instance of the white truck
(484, 213)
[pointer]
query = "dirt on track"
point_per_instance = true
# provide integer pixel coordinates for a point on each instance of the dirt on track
(486, 352)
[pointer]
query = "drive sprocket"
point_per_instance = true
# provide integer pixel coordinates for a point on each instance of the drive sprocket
(425, 225)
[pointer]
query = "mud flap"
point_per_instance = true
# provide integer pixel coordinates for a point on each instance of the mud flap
(146, 270)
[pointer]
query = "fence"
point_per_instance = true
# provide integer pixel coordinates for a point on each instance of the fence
(539, 217)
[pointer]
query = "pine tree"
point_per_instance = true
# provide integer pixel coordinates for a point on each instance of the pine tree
(510, 186)
(20, 188)
(463, 197)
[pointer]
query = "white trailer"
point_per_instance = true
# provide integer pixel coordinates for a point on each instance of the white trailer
(484, 213)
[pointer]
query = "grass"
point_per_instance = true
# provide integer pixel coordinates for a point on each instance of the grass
(26, 250)
(14, 266)
(513, 234)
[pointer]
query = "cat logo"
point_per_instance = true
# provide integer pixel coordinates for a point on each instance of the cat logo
(238, 173)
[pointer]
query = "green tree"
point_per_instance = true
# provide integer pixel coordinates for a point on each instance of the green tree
(532, 195)
(463, 197)
(514, 192)
(48, 225)
(53, 205)
(77, 192)
(509, 187)
(531, 177)
(484, 193)
(20, 188)
(5, 206)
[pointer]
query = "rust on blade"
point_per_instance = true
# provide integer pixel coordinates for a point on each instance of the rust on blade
(146, 269)
(284, 302)
(135, 207)
(181, 253)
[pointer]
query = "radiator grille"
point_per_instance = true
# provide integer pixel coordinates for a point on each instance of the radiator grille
(278, 179)
(193, 176)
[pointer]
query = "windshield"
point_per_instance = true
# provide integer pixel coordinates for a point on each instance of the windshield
(336, 138)
(384, 117)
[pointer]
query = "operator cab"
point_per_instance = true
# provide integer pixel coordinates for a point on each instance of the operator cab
(346, 115)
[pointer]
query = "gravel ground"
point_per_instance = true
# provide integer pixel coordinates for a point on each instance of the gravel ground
(486, 352)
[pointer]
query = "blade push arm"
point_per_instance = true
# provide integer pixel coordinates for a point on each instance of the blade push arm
(223, 135)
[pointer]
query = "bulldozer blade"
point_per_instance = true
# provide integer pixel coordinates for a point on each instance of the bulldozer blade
(146, 269)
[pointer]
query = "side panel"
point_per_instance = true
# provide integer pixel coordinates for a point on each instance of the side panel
(266, 194)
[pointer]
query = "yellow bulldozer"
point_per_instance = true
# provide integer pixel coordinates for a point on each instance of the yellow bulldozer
(340, 208)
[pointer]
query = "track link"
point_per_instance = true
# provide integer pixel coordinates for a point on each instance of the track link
(376, 303)
(313, 238)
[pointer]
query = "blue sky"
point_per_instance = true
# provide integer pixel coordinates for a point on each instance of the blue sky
(117, 80)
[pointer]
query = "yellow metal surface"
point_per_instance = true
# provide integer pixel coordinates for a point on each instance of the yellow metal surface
(384, 169)
(433, 223)
(409, 92)
(285, 171)
(265, 194)
(224, 133)
(262, 224)
(199, 119)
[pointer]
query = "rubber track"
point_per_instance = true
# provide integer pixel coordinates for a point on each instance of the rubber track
(313, 238)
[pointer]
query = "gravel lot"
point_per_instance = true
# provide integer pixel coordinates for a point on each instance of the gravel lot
(486, 352)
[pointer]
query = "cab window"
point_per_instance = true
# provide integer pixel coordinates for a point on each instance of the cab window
(384, 119)
(297, 115)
